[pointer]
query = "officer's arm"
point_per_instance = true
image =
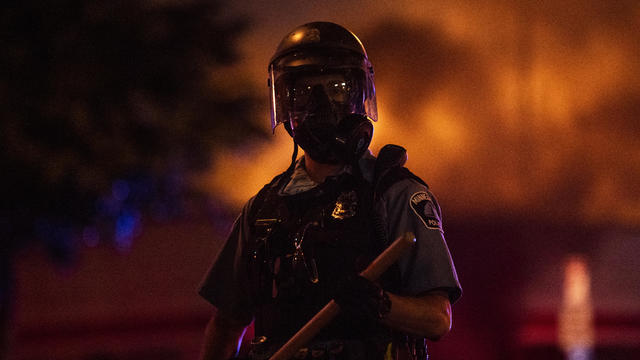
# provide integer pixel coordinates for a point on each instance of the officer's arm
(221, 339)
(409, 205)
(427, 315)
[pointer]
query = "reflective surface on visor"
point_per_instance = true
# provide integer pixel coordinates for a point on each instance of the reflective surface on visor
(298, 93)
(344, 78)
(338, 88)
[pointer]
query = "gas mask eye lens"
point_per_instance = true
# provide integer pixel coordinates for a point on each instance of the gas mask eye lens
(335, 86)
(338, 91)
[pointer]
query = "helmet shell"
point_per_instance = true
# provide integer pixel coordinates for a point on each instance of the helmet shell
(319, 35)
(319, 47)
(322, 89)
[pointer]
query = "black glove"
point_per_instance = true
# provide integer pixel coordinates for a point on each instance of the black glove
(362, 299)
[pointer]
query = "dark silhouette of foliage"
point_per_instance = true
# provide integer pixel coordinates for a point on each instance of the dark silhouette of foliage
(106, 108)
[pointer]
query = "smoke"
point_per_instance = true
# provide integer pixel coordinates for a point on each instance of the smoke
(518, 109)
(507, 108)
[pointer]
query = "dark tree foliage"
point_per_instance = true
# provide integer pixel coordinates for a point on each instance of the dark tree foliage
(106, 108)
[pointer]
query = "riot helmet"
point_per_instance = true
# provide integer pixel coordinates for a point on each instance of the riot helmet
(322, 89)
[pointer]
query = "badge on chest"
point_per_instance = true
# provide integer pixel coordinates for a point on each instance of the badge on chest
(346, 205)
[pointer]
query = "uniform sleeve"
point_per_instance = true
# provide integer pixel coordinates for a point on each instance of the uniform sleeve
(410, 206)
(225, 284)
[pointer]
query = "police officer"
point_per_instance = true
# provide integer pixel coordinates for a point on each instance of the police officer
(302, 240)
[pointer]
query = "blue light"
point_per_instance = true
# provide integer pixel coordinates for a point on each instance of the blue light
(580, 353)
(240, 342)
(126, 225)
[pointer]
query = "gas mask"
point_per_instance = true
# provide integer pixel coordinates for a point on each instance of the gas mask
(326, 116)
(322, 90)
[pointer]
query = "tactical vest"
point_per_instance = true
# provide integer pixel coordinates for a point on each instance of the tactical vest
(303, 246)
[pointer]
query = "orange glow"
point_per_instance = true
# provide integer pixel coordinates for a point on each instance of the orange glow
(523, 101)
(297, 36)
(446, 130)
(240, 174)
(575, 323)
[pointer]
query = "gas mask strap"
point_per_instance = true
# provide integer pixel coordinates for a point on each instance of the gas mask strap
(294, 156)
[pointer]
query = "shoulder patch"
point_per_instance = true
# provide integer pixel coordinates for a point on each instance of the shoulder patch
(422, 206)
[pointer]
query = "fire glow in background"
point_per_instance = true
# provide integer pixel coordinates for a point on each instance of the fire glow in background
(518, 108)
(514, 112)
(522, 116)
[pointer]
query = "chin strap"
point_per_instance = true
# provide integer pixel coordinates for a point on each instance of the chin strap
(294, 156)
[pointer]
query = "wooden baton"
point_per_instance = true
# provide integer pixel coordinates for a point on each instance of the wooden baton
(378, 266)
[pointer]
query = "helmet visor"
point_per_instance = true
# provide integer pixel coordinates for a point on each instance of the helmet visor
(344, 78)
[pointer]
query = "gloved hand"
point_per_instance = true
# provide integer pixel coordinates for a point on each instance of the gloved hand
(362, 299)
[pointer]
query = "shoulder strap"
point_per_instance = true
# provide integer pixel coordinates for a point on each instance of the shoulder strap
(389, 156)
(389, 169)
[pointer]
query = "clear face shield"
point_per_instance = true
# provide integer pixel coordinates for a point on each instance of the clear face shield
(309, 83)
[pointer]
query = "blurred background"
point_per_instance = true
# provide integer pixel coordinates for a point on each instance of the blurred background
(132, 132)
